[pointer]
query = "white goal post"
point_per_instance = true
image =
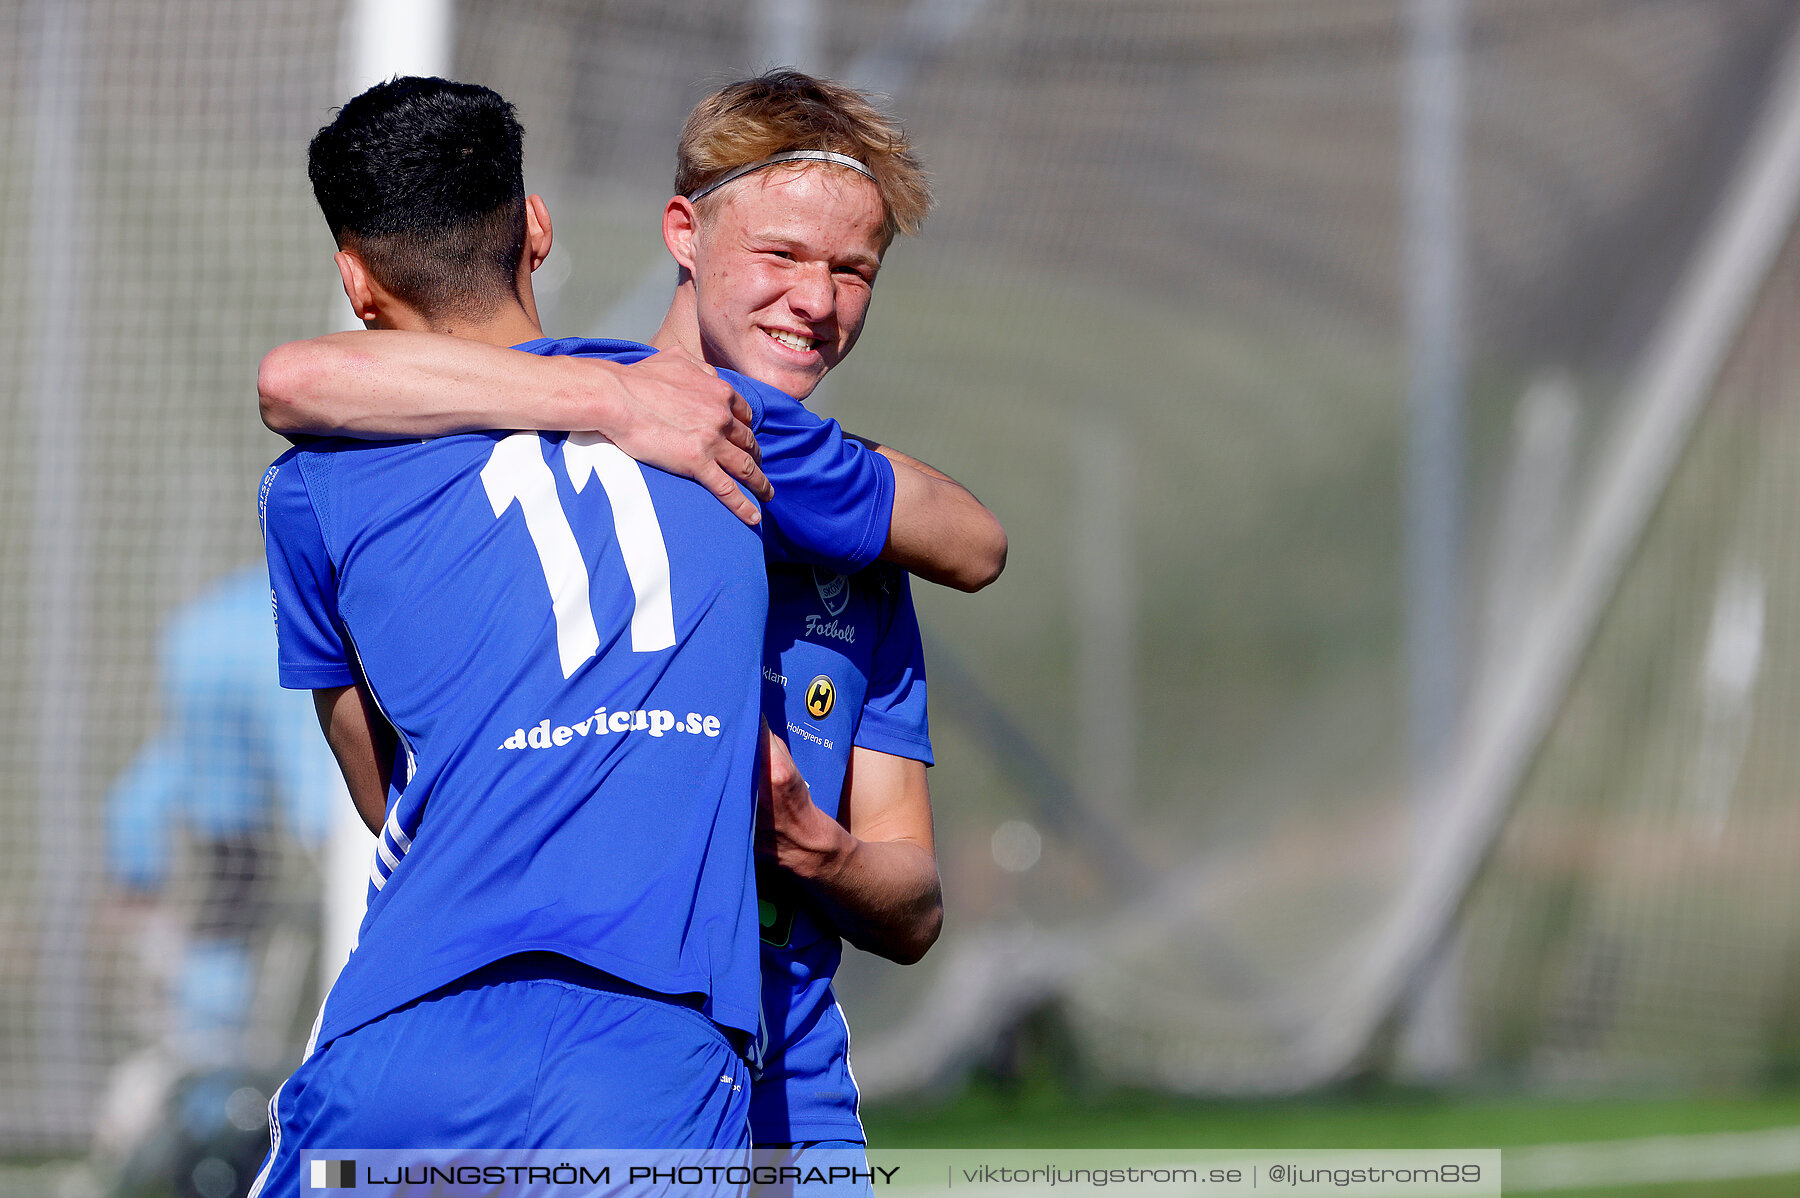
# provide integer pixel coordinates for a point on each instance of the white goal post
(382, 38)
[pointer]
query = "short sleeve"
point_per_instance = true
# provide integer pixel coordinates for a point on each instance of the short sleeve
(834, 496)
(308, 633)
(894, 717)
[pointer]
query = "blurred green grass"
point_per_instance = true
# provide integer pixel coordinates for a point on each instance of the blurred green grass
(987, 1115)
(983, 1116)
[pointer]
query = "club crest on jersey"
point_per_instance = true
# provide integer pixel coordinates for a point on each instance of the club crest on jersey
(821, 697)
(834, 590)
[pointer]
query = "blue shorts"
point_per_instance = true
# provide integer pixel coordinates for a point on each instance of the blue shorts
(531, 1052)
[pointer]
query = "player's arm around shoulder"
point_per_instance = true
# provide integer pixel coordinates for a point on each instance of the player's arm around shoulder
(844, 501)
(874, 868)
(669, 411)
(940, 531)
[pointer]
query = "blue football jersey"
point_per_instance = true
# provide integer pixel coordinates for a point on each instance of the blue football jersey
(567, 643)
(834, 498)
(842, 667)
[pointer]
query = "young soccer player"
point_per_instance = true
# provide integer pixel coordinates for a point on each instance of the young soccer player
(560, 944)
(789, 190)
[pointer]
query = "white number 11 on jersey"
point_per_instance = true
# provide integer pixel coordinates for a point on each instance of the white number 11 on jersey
(517, 472)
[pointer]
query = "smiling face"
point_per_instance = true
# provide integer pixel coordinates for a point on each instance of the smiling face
(783, 264)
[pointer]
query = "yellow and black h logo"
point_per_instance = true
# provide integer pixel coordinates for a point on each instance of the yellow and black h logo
(821, 697)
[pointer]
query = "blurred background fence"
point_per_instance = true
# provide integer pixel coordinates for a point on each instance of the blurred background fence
(1392, 404)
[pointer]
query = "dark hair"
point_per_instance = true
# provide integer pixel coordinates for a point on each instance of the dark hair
(424, 179)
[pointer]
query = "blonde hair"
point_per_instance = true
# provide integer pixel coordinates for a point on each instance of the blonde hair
(783, 110)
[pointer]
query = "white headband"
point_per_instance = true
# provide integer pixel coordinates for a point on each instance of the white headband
(789, 156)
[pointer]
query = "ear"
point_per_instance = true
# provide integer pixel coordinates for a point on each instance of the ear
(681, 231)
(359, 288)
(537, 231)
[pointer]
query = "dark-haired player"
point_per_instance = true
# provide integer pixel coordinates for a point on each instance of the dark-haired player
(560, 944)
(790, 189)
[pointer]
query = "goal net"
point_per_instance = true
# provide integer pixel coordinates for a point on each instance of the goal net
(1165, 320)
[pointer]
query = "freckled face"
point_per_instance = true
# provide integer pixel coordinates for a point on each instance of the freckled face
(784, 267)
